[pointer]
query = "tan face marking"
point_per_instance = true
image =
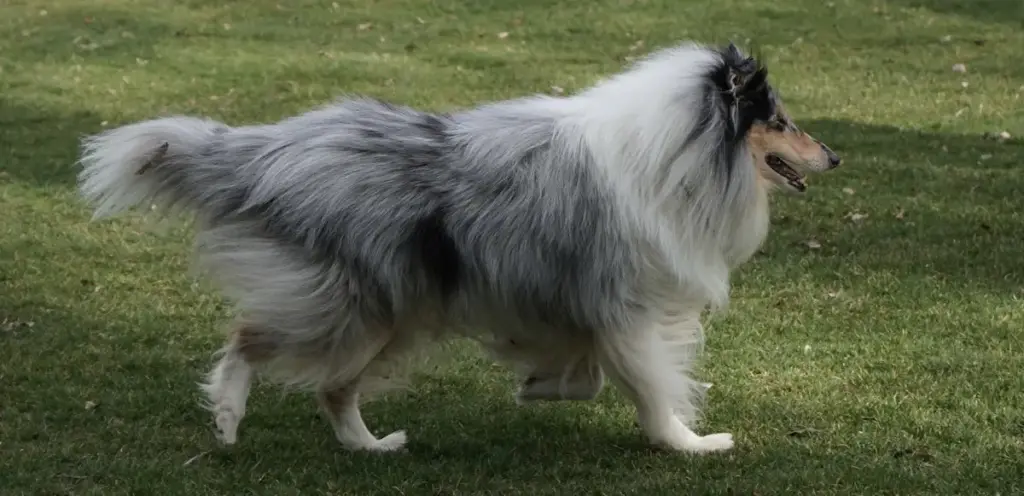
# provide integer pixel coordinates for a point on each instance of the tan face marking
(784, 153)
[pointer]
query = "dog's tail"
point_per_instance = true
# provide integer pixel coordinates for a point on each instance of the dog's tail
(163, 162)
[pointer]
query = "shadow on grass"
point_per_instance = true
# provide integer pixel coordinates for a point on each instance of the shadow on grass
(466, 435)
(930, 205)
(40, 146)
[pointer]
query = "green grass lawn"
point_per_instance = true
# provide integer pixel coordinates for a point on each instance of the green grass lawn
(886, 361)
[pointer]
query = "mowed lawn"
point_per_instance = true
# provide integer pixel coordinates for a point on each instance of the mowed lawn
(875, 346)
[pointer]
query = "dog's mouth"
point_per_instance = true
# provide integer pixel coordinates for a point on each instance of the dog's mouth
(792, 177)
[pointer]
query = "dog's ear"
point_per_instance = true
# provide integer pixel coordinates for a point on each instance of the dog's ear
(743, 82)
(733, 52)
(745, 76)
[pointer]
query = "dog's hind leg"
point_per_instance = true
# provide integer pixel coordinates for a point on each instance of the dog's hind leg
(641, 363)
(341, 407)
(227, 386)
(365, 361)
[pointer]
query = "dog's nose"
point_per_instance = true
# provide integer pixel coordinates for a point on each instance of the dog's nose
(833, 159)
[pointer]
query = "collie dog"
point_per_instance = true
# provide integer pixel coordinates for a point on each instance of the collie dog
(573, 237)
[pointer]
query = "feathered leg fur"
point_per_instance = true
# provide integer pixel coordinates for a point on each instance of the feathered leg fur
(649, 366)
(340, 406)
(227, 390)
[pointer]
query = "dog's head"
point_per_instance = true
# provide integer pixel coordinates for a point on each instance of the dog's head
(784, 154)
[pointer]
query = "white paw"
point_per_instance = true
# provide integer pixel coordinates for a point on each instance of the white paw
(390, 443)
(710, 443)
(227, 426)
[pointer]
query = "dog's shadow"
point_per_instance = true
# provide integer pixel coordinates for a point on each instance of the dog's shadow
(463, 437)
(459, 419)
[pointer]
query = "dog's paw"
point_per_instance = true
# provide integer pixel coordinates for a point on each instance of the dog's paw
(391, 443)
(687, 441)
(227, 426)
(710, 443)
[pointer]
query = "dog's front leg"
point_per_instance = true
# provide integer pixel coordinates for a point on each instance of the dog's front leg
(646, 367)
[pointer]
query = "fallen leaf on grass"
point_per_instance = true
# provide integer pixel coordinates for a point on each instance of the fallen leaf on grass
(899, 213)
(91, 405)
(194, 458)
(802, 432)
(848, 191)
(10, 325)
(856, 217)
(502, 35)
(812, 244)
(364, 26)
(913, 454)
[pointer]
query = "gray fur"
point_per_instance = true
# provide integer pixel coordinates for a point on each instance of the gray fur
(348, 186)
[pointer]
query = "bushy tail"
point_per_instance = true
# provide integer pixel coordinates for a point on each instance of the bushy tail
(156, 161)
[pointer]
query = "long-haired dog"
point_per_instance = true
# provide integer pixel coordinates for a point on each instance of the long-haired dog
(591, 228)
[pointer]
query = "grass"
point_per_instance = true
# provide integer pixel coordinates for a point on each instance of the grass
(887, 361)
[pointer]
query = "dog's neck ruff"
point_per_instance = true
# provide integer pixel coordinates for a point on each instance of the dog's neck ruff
(659, 141)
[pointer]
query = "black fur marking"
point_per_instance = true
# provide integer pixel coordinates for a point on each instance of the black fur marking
(435, 125)
(742, 83)
(743, 96)
(438, 252)
(706, 112)
(158, 156)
